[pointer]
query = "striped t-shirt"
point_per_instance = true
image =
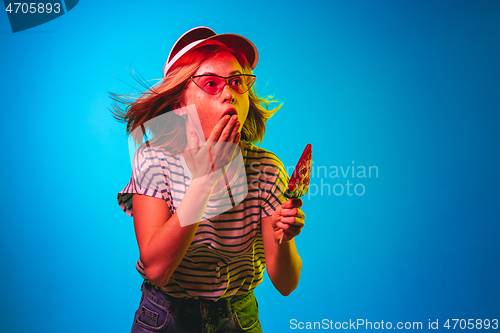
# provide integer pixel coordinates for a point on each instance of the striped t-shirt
(226, 256)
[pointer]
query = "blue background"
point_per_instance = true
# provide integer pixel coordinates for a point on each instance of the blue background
(412, 87)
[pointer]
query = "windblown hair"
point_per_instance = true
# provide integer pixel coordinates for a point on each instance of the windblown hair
(168, 95)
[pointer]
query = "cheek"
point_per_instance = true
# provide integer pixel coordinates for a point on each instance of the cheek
(192, 95)
(245, 107)
(208, 119)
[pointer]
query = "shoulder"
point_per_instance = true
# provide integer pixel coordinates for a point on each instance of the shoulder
(151, 176)
(147, 152)
(260, 160)
(258, 155)
(149, 156)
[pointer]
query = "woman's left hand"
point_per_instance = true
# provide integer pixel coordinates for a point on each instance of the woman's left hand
(289, 219)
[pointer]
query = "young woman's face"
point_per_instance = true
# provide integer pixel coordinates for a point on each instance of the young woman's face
(211, 108)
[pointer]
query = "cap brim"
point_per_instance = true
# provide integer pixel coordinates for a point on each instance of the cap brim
(193, 35)
(240, 43)
(200, 36)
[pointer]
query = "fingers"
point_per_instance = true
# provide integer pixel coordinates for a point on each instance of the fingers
(219, 150)
(234, 140)
(290, 221)
(230, 130)
(295, 212)
(295, 223)
(234, 132)
(289, 230)
(293, 203)
(224, 150)
(218, 128)
(224, 128)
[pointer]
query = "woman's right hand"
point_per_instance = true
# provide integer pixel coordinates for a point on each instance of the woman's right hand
(219, 150)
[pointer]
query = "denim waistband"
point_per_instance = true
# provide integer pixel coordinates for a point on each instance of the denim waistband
(188, 307)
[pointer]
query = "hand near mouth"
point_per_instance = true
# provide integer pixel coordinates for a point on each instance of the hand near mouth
(229, 112)
(219, 150)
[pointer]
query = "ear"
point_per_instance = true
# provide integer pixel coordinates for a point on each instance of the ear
(178, 105)
(180, 110)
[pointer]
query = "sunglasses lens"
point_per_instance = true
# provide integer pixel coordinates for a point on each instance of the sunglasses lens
(211, 84)
(241, 83)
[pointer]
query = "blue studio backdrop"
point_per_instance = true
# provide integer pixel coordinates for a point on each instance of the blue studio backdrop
(400, 100)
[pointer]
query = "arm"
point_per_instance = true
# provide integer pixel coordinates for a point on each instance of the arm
(163, 238)
(283, 263)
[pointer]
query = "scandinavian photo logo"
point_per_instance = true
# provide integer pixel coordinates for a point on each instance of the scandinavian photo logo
(338, 180)
(26, 15)
(354, 176)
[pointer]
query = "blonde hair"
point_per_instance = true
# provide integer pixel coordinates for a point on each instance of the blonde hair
(168, 96)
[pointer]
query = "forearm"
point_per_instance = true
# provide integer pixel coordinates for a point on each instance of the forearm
(169, 244)
(284, 267)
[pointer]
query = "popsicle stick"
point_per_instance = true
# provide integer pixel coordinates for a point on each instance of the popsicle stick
(281, 239)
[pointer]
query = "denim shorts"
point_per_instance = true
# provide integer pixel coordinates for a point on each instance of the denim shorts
(159, 312)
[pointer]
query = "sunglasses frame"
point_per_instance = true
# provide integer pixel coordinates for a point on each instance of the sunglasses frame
(227, 78)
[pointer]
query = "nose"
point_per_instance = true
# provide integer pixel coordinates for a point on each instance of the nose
(227, 94)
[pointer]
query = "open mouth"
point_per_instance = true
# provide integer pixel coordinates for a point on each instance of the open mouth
(230, 112)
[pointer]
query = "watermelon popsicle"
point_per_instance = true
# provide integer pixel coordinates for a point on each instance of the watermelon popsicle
(299, 182)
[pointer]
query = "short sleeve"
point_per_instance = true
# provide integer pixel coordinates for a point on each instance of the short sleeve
(148, 178)
(274, 185)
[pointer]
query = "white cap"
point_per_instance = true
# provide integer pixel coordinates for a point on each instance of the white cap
(200, 36)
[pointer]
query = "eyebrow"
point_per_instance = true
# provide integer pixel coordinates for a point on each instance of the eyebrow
(232, 73)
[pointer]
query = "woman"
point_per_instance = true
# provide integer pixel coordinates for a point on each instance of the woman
(208, 206)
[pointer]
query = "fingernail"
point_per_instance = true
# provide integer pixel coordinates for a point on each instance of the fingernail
(228, 117)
